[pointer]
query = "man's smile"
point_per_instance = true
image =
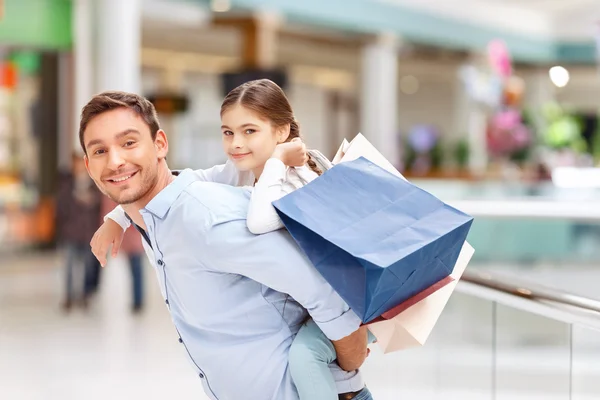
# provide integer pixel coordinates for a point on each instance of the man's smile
(121, 178)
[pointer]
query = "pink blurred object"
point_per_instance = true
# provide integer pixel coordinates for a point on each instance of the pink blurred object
(508, 119)
(506, 133)
(499, 58)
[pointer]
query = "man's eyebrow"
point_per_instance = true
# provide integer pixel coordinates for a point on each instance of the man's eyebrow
(127, 132)
(118, 136)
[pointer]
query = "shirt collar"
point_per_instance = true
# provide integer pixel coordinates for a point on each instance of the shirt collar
(161, 203)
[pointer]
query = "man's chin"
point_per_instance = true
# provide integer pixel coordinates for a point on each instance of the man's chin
(124, 198)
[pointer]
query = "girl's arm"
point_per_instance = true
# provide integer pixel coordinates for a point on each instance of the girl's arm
(262, 217)
(272, 185)
(224, 173)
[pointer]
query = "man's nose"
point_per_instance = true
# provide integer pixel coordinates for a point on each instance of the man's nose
(115, 159)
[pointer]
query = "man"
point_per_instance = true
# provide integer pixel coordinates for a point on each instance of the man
(77, 216)
(229, 292)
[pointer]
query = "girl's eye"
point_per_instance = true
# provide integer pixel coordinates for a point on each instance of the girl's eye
(227, 133)
(250, 131)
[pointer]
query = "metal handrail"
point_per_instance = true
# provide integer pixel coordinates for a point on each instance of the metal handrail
(527, 208)
(530, 291)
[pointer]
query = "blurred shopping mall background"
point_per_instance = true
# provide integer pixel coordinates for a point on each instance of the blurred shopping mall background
(492, 105)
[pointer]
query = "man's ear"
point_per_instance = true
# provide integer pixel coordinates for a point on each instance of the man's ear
(162, 144)
(87, 164)
(283, 133)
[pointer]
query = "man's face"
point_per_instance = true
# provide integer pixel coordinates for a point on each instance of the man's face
(122, 158)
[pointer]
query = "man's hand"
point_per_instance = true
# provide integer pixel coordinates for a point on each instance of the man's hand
(292, 154)
(352, 350)
(110, 233)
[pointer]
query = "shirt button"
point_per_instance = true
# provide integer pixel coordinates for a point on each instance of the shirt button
(180, 340)
(201, 375)
(167, 301)
(160, 262)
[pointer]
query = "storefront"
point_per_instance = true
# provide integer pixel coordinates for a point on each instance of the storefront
(30, 57)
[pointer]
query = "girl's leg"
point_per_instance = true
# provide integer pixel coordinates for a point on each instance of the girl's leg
(371, 337)
(310, 356)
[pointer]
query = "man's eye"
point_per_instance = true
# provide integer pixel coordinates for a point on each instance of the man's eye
(98, 152)
(129, 143)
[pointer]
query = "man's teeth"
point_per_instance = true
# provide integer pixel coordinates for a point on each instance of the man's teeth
(122, 179)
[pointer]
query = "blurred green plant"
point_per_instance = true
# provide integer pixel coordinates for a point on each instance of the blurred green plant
(437, 155)
(462, 152)
(563, 130)
(595, 150)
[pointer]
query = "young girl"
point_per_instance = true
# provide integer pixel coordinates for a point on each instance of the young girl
(262, 140)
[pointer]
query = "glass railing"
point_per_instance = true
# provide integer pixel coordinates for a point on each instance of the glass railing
(520, 326)
(499, 339)
(526, 240)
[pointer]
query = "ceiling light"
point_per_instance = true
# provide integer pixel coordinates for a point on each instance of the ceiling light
(559, 76)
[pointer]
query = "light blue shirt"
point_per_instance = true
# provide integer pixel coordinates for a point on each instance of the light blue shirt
(237, 299)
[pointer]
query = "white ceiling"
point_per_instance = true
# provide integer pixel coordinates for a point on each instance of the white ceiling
(549, 7)
(560, 19)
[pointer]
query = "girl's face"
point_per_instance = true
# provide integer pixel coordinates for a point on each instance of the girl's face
(249, 140)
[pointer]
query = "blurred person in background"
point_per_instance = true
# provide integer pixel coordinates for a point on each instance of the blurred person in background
(78, 207)
(131, 245)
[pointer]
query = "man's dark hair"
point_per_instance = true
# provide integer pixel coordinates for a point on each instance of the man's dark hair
(112, 100)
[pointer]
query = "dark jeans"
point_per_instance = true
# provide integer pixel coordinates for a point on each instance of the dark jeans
(78, 264)
(92, 277)
(137, 278)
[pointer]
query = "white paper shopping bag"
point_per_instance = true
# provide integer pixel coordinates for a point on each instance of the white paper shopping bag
(412, 327)
(361, 147)
(341, 151)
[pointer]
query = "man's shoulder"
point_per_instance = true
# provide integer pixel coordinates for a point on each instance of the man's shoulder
(219, 202)
(213, 195)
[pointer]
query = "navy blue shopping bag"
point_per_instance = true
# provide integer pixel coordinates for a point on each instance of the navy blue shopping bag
(376, 238)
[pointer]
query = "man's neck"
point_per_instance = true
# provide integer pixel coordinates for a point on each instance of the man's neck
(165, 177)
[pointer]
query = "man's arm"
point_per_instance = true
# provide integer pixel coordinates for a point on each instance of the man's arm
(272, 259)
(275, 260)
(352, 350)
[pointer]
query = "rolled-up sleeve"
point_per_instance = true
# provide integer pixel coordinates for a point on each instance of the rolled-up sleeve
(274, 260)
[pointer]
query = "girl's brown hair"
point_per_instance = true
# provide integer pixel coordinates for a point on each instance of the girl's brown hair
(267, 100)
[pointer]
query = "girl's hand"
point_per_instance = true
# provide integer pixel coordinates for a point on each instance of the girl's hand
(292, 154)
(110, 233)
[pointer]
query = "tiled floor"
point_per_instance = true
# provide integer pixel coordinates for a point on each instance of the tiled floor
(107, 353)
